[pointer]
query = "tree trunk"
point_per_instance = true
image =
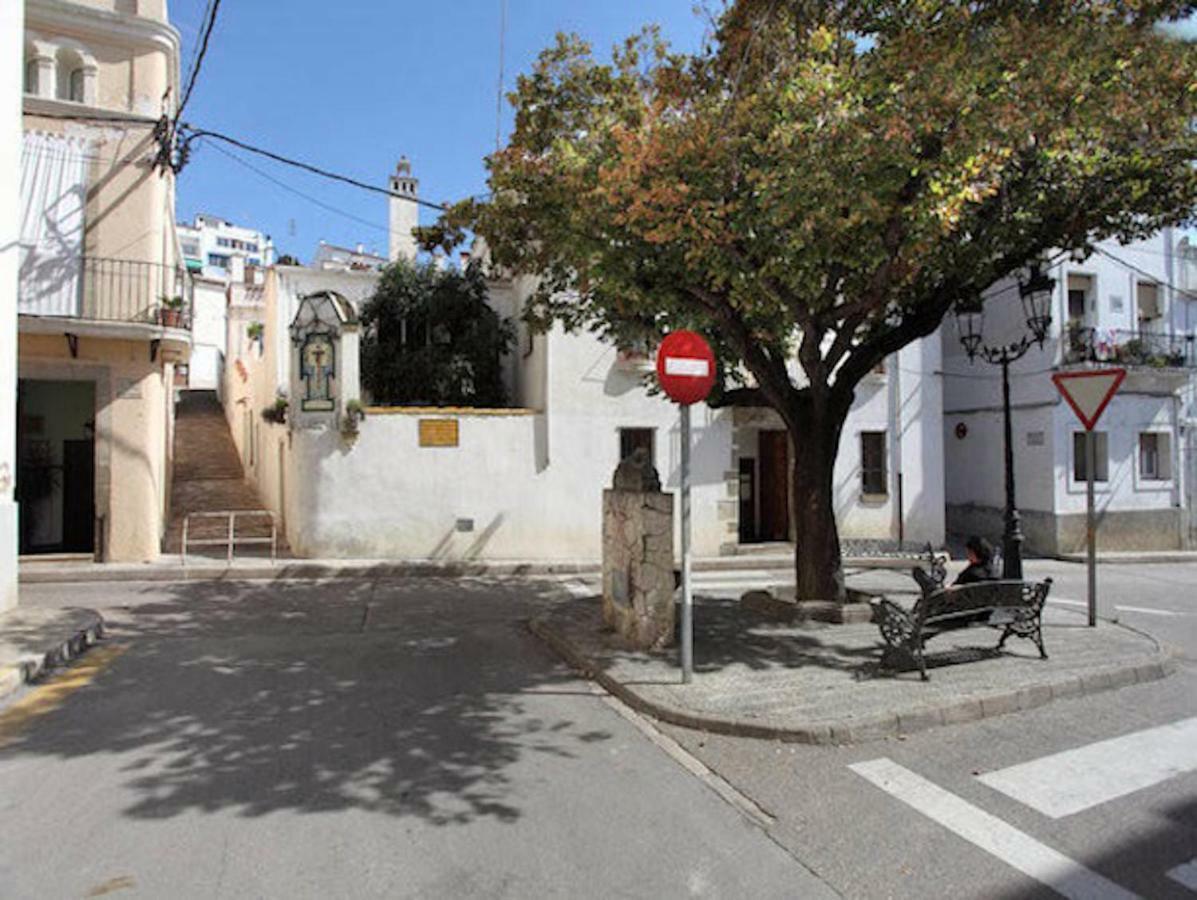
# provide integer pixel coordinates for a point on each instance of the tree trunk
(819, 566)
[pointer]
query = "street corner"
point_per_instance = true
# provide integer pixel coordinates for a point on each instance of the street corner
(814, 683)
(35, 641)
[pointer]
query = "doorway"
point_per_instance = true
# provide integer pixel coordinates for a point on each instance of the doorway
(56, 465)
(774, 485)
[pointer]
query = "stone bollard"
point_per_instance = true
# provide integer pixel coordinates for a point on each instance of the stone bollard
(638, 555)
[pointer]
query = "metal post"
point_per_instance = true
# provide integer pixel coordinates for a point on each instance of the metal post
(687, 598)
(1091, 522)
(1012, 536)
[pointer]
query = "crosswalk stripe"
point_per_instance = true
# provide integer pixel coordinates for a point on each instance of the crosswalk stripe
(1075, 780)
(1047, 866)
(1185, 875)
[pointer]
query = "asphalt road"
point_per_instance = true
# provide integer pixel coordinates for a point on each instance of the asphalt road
(409, 739)
(940, 830)
(354, 739)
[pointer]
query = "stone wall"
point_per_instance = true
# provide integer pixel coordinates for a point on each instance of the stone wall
(638, 566)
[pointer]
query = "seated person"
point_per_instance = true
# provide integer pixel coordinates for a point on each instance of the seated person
(981, 565)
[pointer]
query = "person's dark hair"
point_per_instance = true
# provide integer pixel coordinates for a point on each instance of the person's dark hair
(981, 548)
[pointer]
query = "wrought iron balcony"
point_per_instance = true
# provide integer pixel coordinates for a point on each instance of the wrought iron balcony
(104, 290)
(1156, 350)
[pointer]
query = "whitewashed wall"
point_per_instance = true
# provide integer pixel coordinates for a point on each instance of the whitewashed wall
(12, 30)
(209, 334)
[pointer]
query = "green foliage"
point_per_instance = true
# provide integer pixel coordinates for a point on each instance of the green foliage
(255, 331)
(817, 186)
(429, 338)
(287, 260)
(276, 413)
(833, 176)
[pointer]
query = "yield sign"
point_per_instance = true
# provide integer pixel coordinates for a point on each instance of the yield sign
(1089, 392)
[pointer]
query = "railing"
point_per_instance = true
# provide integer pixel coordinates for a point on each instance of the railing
(230, 537)
(1130, 348)
(105, 290)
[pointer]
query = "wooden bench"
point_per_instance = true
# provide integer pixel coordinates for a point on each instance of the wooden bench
(1016, 607)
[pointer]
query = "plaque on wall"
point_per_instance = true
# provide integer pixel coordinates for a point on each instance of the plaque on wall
(438, 433)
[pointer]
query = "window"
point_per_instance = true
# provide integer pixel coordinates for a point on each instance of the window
(76, 85)
(1079, 289)
(1155, 456)
(220, 260)
(1148, 295)
(873, 478)
(222, 242)
(632, 439)
(31, 76)
(1101, 450)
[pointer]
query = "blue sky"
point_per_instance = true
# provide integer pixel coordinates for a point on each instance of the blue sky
(351, 86)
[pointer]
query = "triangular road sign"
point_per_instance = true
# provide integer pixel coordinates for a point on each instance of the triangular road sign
(1089, 392)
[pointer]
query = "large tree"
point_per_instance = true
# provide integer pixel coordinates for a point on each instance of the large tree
(816, 187)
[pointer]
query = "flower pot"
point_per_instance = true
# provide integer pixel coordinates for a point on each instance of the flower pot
(169, 317)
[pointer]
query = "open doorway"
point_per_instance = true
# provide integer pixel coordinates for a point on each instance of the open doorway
(56, 465)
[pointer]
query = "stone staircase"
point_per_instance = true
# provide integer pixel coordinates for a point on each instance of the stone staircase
(208, 478)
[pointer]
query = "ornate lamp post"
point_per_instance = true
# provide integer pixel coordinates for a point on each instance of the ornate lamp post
(1035, 293)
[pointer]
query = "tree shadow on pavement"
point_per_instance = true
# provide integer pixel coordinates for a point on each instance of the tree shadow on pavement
(409, 697)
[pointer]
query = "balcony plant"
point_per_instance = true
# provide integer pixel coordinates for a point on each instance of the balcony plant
(276, 413)
(255, 331)
(170, 311)
(351, 420)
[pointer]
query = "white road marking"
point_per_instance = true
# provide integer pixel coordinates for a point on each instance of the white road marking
(1147, 611)
(1063, 875)
(1075, 780)
(1185, 875)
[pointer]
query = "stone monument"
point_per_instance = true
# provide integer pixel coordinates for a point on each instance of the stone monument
(638, 579)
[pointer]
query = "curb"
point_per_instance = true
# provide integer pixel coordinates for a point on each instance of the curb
(1130, 558)
(311, 570)
(871, 728)
(32, 666)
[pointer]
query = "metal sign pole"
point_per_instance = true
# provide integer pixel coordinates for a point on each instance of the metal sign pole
(1091, 522)
(687, 598)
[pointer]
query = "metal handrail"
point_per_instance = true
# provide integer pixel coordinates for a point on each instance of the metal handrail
(1163, 349)
(231, 540)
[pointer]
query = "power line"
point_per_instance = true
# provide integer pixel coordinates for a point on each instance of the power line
(286, 187)
(499, 98)
(1155, 279)
(192, 134)
(199, 60)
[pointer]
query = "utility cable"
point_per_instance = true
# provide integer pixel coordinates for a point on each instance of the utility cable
(192, 134)
(199, 61)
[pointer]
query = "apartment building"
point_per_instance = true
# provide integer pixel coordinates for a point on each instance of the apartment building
(103, 299)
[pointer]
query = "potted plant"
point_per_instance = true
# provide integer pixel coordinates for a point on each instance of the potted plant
(170, 312)
(276, 413)
(255, 331)
(351, 420)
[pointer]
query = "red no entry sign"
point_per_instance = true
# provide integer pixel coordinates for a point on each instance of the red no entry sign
(685, 367)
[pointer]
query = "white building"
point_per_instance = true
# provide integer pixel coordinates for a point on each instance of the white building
(403, 211)
(12, 30)
(218, 253)
(330, 257)
(1124, 306)
(526, 482)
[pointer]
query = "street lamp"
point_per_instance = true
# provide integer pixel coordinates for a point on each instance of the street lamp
(1035, 292)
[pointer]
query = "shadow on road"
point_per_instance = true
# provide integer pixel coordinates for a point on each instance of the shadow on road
(410, 697)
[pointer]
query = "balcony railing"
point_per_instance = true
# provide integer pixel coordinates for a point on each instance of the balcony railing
(1130, 348)
(105, 290)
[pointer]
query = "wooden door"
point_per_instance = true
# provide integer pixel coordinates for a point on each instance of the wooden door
(774, 484)
(747, 500)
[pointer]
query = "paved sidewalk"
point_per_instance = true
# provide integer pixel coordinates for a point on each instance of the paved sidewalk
(33, 640)
(169, 567)
(822, 684)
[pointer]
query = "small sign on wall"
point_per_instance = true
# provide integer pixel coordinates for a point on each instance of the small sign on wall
(438, 433)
